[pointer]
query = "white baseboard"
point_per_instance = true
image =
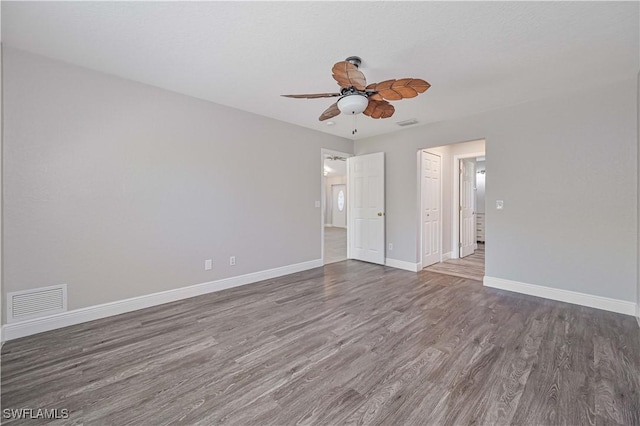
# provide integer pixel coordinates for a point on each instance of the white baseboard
(401, 264)
(447, 256)
(77, 316)
(590, 300)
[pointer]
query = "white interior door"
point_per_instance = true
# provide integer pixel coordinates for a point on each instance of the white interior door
(339, 203)
(430, 208)
(467, 214)
(366, 207)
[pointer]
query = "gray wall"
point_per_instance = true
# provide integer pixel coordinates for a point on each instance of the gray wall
(566, 169)
(1, 190)
(120, 189)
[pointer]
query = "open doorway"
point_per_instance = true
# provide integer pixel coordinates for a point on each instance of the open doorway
(452, 220)
(480, 173)
(334, 217)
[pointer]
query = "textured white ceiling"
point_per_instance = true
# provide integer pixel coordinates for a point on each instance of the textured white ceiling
(477, 56)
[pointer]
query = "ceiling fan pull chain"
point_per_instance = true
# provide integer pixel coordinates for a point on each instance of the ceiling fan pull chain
(355, 124)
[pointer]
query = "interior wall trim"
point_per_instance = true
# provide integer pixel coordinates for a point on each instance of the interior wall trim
(401, 264)
(577, 298)
(78, 316)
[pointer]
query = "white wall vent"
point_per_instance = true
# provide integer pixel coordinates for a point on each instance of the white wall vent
(409, 122)
(38, 302)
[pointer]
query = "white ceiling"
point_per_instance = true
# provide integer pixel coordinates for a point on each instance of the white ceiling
(477, 56)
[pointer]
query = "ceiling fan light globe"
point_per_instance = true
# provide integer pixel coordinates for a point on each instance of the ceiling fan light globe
(353, 104)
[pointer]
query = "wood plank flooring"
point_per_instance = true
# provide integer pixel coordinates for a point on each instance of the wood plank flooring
(471, 267)
(335, 244)
(351, 344)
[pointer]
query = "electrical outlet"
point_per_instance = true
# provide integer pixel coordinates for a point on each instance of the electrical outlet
(208, 264)
(390, 246)
(499, 204)
(232, 260)
(317, 204)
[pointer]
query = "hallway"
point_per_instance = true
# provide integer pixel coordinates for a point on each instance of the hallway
(335, 244)
(470, 267)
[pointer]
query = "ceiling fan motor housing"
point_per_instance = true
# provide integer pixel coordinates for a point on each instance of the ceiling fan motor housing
(353, 104)
(355, 60)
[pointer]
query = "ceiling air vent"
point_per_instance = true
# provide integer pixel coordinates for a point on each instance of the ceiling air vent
(38, 302)
(407, 122)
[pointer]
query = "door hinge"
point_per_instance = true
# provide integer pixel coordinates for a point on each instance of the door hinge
(459, 245)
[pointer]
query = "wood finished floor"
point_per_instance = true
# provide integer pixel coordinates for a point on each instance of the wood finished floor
(351, 343)
(471, 267)
(335, 244)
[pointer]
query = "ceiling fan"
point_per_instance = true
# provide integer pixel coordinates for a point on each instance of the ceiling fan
(357, 97)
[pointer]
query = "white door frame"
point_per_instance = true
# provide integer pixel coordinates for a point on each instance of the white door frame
(323, 196)
(420, 180)
(455, 217)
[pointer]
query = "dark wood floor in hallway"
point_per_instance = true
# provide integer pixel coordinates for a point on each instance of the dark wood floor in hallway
(351, 343)
(471, 267)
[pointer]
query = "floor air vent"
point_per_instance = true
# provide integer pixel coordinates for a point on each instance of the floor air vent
(39, 302)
